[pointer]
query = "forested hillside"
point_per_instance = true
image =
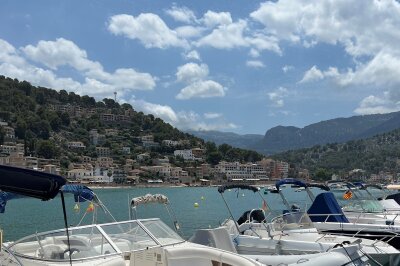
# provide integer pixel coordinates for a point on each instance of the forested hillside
(375, 154)
(45, 120)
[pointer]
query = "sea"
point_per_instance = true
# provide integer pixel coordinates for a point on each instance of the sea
(192, 207)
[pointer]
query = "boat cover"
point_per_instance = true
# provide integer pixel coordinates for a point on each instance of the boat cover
(81, 193)
(395, 197)
(30, 183)
(149, 198)
(290, 181)
(222, 189)
(325, 204)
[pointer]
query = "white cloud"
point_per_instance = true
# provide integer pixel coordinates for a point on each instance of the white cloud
(225, 36)
(191, 72)
(212, 115)
(277, 96)
(183, 120)
(312, 74)
(212, 19)
(287, 68)
(373, 105)
(197, 85)
(189, 32)
(202, 89)
(192, 55)
(54, 54)
(181, 14)
(149, 28)
(255, 64)
(254, 53)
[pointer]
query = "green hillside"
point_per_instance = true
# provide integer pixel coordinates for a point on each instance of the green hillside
(374, 154)
(46, 120)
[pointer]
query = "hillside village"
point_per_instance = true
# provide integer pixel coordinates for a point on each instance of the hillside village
(137, 168)
(103, 142)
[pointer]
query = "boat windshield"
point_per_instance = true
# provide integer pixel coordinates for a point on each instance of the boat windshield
(364, 206)
(164, 234)
(292, 220)
(87, 242)
(96, 240)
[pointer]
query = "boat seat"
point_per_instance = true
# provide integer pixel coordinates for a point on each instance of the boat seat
(51, 251)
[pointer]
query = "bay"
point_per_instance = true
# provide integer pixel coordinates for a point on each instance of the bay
(27, 216)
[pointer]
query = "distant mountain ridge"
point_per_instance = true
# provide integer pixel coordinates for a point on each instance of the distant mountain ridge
(233, 139)
(283, 138)
(337, 130)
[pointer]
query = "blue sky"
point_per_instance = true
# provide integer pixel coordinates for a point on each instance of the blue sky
(241, 66)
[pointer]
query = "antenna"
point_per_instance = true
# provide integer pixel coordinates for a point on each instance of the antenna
(115, 96)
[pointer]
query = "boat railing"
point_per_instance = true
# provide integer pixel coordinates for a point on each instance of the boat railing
(11, 254)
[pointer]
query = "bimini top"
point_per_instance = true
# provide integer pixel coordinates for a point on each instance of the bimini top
(326, 209)
(289, 181)
(149, 198)
(30, 183)
(222, 189)
(81, 194)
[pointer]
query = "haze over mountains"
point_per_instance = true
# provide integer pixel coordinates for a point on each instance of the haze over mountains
(283, 138)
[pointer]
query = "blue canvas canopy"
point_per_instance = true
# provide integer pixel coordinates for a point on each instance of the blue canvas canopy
(30, 183)
(81, 193)
(289, 181)
(323, 205)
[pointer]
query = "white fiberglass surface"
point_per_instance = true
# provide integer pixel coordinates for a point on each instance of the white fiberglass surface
(86, 242)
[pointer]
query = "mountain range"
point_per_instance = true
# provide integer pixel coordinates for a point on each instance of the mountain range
(283, 138)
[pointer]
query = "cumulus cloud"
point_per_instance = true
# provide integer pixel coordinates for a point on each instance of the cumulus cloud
(183, 120)
(197, 85)
(192, 55)
(202, 89)
(212, 19)
(314, 74)
(191, 72)
(225, 36)
(181, 14)
(148, 28)
(277, 96)
(373, 105)
(62, 52)
(255, 64)
(287, 68)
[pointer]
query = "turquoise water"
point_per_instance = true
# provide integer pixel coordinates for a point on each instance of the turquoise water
(27, 216)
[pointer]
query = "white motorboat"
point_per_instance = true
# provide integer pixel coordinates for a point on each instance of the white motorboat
(328, 217)
(147, 242)
(267, 249)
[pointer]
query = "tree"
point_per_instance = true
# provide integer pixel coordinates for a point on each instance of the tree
(214, 157)
(2, 135)
(46, 149)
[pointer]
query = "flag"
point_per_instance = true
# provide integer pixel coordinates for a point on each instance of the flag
(264, 206)
(90, 208)
(348, 195)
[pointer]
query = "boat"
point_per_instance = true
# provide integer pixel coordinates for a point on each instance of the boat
(328, 217)
(268, 250)
(144, 242)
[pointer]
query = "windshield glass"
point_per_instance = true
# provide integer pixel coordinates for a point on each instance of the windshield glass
(293, 220)
(129, 236)
(164, 234)
(84, 243)
(364, 206)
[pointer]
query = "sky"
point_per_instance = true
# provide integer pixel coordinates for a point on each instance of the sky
(240, 66)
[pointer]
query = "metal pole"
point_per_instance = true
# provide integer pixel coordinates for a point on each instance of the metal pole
(229, 210)
(66, 225)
